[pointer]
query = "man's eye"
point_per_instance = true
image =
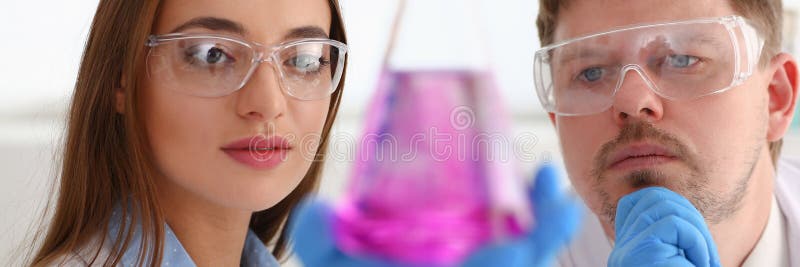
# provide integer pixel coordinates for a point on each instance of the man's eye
(681, 61)
(591, 74)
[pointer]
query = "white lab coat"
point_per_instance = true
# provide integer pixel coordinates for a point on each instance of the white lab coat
(591, 247)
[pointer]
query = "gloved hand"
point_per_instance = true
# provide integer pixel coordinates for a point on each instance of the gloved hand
(657, 227)
(313, 239)
(557, 217)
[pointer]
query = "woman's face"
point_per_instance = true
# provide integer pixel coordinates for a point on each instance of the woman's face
(207, 148)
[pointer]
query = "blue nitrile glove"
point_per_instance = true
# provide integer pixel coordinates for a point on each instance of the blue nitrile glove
(657, 227)
(557, 217)
(313, 239)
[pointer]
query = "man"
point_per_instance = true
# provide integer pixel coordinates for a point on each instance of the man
(658, 102)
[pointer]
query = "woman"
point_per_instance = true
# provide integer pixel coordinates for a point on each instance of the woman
(195, 127)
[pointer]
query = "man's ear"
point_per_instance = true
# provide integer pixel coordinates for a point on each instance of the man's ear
(782, 95)
(552, 118)
(119, 97)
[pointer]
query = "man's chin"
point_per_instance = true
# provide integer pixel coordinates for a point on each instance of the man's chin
(634, 180)
(617, 185)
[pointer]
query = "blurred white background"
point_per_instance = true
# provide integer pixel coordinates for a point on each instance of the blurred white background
(43, 41)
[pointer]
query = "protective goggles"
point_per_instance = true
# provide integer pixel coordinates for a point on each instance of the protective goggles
(210, 65)
(678, 60)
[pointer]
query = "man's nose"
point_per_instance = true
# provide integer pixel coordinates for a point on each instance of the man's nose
(635, 98)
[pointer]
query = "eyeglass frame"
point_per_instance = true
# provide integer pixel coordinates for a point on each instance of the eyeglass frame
(258, 56)
(754, 43)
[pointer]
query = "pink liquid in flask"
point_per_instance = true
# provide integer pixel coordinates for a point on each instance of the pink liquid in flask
(424, 189)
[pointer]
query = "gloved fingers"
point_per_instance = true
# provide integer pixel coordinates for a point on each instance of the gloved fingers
(557, 217)
(625, 206)
(660, 242)
(546, 185)
(557, 214)
(676, 261)
(311, 233)
(346, 261)
(678, 234)
(642, 250)
(616, 260)
(511, 254)
(662, 210)
(643, 199)
(550, 202)
(541, 246)
(556, 223)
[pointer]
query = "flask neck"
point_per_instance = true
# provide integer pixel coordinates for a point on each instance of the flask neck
(438, 35)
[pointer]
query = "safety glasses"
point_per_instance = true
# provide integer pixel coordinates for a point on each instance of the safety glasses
(210, 65)
(677, 60)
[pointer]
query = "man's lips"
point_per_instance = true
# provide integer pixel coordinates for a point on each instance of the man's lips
(639, 155)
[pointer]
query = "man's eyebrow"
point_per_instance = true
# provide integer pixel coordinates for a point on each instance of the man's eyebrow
(306, 32)
(212, 23)
(571, 55)
(706, 40)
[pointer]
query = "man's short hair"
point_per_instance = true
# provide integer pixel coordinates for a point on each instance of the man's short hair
(765, 15)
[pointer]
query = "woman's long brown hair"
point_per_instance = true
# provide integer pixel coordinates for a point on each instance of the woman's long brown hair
(107, 160)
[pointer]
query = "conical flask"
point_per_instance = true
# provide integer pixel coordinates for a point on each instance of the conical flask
(433, 179)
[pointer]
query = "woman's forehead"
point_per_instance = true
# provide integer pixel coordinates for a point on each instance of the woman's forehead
(261, 21)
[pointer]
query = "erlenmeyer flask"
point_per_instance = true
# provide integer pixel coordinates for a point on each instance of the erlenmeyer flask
(430, 183)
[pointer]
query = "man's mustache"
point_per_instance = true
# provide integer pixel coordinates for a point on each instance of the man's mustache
(636, 132)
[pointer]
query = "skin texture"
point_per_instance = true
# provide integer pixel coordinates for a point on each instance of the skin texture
(207, 196)
(723, 164)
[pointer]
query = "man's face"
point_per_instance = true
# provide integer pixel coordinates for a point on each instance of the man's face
(705, 149)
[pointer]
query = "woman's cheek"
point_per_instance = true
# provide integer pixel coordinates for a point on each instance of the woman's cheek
(179, 126)
(310, 121)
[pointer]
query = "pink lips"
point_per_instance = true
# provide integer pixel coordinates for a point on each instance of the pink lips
(640, 155)
(258, 152)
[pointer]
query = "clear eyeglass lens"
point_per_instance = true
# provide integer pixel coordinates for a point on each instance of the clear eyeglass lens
(679, 61)
(311, 70)
(214, 67)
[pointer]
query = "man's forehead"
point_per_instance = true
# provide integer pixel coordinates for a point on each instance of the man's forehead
(585, 17)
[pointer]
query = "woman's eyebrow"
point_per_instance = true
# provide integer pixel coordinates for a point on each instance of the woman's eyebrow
(221, 24)
(306, 32)
(212, 23)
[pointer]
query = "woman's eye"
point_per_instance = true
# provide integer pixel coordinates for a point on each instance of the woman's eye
(208, 54)
(306, 63)
(681, 61)
(591, 74)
